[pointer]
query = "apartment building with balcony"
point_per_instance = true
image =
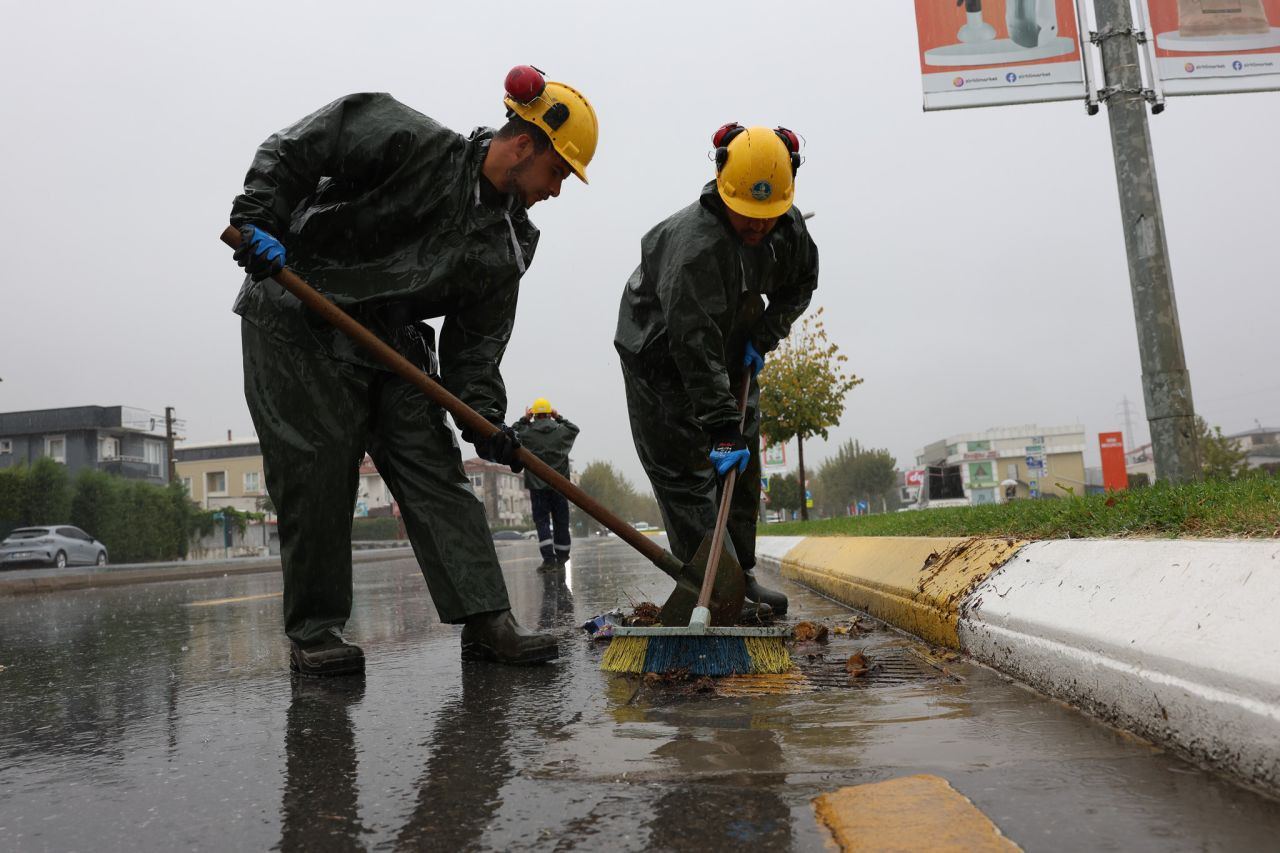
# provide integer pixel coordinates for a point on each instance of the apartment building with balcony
(121, 440)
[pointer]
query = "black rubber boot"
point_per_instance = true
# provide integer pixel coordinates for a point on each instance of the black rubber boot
(497, 636)
(562, 560)
(764, 595)
(547, 566)
(329, 657)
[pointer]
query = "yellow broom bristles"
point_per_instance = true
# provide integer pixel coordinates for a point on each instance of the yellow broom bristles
(768, 654)
(625, 654)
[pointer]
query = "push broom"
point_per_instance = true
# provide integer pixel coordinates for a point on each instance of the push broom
(702, 648)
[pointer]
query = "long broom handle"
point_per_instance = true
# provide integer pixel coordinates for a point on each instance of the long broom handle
(473, 420)
(726, 501)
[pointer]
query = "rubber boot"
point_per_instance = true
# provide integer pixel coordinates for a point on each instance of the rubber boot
(764, 595)
(329, 657)
(547, 566)
(497, 636)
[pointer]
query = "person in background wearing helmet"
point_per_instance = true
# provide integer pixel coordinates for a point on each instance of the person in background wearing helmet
(397, 219)
(549, 436)
(718, 286)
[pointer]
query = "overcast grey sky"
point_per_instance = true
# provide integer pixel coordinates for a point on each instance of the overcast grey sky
(973, 266)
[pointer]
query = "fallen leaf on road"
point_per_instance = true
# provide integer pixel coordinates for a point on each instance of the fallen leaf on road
(857, 665)
(810, 632)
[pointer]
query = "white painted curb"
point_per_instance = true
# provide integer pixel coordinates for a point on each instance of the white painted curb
(1178, 640)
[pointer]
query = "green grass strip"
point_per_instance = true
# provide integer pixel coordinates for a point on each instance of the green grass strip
(1248, 507)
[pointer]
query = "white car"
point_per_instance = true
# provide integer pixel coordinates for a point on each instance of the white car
(58, 545)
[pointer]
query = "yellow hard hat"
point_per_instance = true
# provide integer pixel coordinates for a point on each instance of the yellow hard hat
(541, 406)
(755, 170)
(561, 111)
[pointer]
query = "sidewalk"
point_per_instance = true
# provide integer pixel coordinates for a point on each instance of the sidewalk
(1174, 639)
(24, 581)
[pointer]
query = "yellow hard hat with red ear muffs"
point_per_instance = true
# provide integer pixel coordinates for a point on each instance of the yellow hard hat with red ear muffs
(559, 110)
(756, 169)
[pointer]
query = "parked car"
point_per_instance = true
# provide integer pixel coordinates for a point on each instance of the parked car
(504, 535)
(58, 545)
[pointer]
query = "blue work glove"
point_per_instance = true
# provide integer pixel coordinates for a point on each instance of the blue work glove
(260, 254)
(500, 447)
(753, 359)
(729, 449)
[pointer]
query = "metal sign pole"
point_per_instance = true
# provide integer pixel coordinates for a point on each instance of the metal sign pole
(1165, 382)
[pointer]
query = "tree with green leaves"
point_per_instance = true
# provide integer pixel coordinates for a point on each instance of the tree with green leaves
(855, 473)
(785, 494)
(1220, 457)
(602, 481)
(802, 389)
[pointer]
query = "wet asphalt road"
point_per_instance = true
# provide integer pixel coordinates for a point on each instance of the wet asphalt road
(161, 717)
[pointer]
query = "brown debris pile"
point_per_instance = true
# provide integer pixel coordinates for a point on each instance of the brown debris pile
(644, 614)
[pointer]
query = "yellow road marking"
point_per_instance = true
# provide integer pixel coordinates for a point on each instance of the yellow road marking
(920, 813)
(215, 601)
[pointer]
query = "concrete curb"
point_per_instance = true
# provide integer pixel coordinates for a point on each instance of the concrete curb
(1174, 639)
(53, 580)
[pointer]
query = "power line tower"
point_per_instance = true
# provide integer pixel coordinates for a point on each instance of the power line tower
(1126, 412)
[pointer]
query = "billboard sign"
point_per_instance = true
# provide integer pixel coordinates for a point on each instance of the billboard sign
(914, 478)
(1115, 475)
(1214, 46)
(772, 455)
(984, 53)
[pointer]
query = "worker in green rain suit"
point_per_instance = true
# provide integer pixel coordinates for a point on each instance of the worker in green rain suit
(548, 435)
(397, 219)
(719, 285)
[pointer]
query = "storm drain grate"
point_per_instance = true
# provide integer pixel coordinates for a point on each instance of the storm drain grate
(890, 666)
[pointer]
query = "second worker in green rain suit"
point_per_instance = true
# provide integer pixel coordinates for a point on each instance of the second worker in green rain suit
(719, 285)
(396, 219)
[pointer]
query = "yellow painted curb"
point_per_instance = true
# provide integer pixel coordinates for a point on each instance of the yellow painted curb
(914, 583)
(920, 813)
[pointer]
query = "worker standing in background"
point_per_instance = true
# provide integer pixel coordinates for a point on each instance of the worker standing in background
(549, 436)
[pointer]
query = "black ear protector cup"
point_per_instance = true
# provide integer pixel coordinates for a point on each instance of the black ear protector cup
(556, 116)
(721, 139)
(792, 140)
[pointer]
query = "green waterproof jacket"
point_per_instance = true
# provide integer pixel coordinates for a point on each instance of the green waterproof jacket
(700, 294)
(386, 212)
(549, 439)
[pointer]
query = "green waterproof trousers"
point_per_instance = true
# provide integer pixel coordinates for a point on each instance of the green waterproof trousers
(316, 417)
(673, 449)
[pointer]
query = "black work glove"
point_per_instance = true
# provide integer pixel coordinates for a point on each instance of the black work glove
(500, 447)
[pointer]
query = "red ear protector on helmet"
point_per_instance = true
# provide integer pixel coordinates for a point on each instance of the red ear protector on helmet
(726, 133)
(524, 83)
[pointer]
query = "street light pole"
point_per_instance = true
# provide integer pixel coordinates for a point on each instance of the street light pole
(1166, 384)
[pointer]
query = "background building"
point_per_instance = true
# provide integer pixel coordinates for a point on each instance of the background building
(373, 498)
(1262, 445)
(227, 473)
(506, 500)
(120, 440)
(1042, 461)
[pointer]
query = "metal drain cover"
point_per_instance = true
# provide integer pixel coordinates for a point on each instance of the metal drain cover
(889, 666)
